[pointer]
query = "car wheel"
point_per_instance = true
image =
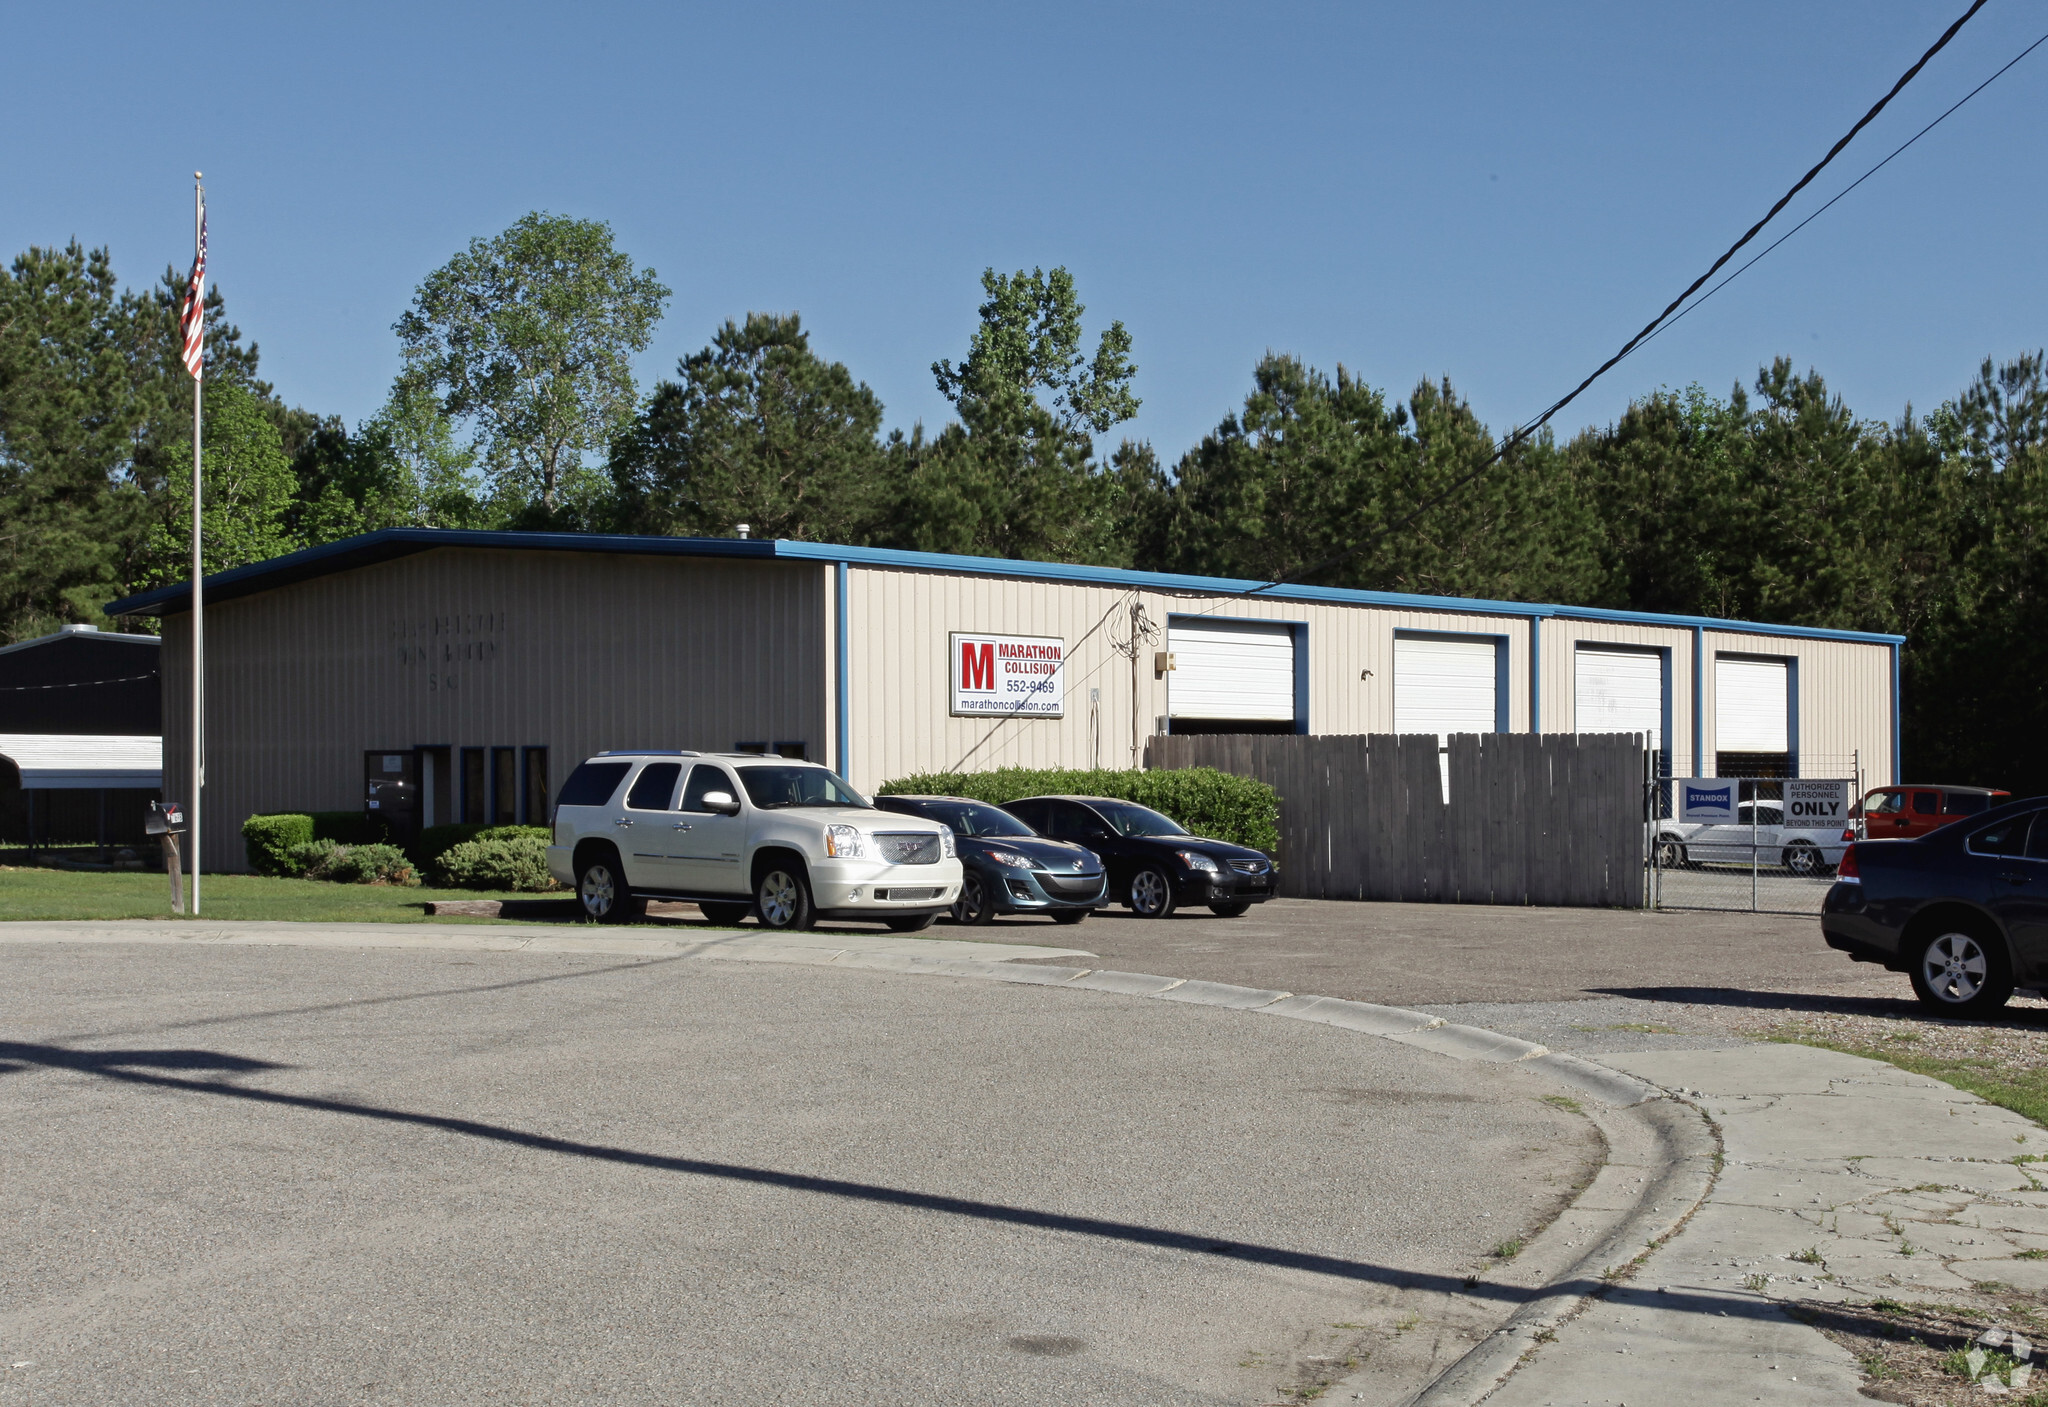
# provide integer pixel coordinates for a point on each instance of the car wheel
(1150, 894)
(973, 907)
(1230, 910)
(1803, 859)
(1962, 973)
(782, 900)
(1070, 916)
(724, 915)
(1670, 853)
(909, 923)
(601, 893)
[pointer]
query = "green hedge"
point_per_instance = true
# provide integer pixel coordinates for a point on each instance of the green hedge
(270, 841)
(1206, 801)
(516, 861)
(436, 841)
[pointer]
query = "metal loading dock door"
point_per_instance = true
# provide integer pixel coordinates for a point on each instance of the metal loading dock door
(1752, 716)
(1445, 685)
(1619, 691)
(1231, 670)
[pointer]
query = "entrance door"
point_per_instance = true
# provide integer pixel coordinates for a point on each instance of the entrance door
(707, 847)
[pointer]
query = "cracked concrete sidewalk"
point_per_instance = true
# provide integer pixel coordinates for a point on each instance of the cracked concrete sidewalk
(1844, 1181)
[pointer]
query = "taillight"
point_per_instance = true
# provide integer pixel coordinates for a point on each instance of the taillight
(1848, 837)
(1847, 868)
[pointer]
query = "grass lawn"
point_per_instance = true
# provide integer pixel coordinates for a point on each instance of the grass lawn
(71, 894)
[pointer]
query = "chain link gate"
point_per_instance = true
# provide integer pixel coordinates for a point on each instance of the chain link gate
(1756, 863)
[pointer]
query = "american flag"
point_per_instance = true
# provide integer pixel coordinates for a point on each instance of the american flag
(193, 321)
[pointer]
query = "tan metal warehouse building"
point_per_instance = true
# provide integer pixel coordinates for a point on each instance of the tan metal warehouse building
(500, 660)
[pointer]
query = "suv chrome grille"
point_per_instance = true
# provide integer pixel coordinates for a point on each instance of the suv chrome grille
(908, 848)
(1251, 866)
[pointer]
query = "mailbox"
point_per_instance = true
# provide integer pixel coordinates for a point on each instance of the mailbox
(391, 792)
(164, 818)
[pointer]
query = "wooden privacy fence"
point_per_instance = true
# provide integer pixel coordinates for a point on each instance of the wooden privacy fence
(1549, 818)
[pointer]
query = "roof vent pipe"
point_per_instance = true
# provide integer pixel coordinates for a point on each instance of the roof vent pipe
(742, 529)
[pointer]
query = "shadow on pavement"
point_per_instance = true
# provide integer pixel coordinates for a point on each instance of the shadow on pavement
(123, 1066)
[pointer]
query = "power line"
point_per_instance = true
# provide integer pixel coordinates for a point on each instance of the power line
(1515, 439)
(1850, 187)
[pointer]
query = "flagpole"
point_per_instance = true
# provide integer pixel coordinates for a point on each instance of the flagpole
(198, 620)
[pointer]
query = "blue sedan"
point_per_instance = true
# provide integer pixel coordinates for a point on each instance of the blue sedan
(1008, 868)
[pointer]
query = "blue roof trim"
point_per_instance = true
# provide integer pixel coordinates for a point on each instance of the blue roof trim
(390, 543)
(387, 544)
(1333, 595)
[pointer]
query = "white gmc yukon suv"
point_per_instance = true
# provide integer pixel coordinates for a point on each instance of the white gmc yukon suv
(786, 841)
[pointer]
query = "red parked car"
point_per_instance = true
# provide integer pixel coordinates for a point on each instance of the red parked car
(1903, 812)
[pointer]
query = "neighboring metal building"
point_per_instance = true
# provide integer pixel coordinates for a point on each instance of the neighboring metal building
(80, 755)
(499, 660)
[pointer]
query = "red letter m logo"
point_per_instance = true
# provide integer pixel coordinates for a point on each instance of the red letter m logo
(977, 665)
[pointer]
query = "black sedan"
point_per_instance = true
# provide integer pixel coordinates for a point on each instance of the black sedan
(1963, 911)
(1154, 864)
(1009, 869)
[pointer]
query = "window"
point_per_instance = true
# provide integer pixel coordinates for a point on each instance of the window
(504, 786)
(1926, 803)
(533, 806)
(473, 790)
(654, 787)
(971, 818)
(773, 787)
(705, 778)
(1032, 814)
(1885, 803)
(2007, 837)
(593, 783)
(2037, 841)
(1964, 803)
(1128, 818)
(752, 749)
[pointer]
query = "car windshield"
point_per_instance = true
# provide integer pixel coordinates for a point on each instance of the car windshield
(772, 788)
(1126, 819)
(973, 818)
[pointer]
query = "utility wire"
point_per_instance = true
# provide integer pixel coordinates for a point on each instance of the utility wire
(1850, 187)
(1515, 439)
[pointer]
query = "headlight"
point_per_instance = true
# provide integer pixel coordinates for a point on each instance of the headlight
(843, 843)
(1009, 857)
(947, 849)
(1196, 860)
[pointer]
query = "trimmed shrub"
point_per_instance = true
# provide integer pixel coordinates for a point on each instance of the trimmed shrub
(499, 861)
(436, 841)
(1217, 804)
(371, 864)
(270, 841)
(314, 859)
(349, 827)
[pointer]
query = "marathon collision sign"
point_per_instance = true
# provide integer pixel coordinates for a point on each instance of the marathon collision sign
(1009, 676)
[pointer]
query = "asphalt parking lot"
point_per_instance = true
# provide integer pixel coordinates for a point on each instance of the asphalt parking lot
(290, 1175)
(1429, 954)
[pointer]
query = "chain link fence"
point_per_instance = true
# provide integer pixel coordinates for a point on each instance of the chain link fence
(1756, 862)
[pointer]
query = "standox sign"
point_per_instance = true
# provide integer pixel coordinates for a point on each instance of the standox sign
(1705, 800)
(1022, 676)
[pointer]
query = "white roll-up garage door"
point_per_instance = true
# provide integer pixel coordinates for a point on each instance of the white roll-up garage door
(1619, 691)
(1231, 669)
(1752, 705)
(1446, 685)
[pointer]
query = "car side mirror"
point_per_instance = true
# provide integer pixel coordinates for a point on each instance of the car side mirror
(723, 802)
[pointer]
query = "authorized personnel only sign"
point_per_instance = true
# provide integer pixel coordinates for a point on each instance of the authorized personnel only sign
(1816, 804)
(1009, 675)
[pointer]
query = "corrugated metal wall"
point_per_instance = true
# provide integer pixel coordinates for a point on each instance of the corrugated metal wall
(466, 648)
(900, 621)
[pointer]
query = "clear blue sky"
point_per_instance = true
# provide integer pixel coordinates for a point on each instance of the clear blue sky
(1500, 193)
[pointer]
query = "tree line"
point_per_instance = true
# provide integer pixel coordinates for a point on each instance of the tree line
(516, 408)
